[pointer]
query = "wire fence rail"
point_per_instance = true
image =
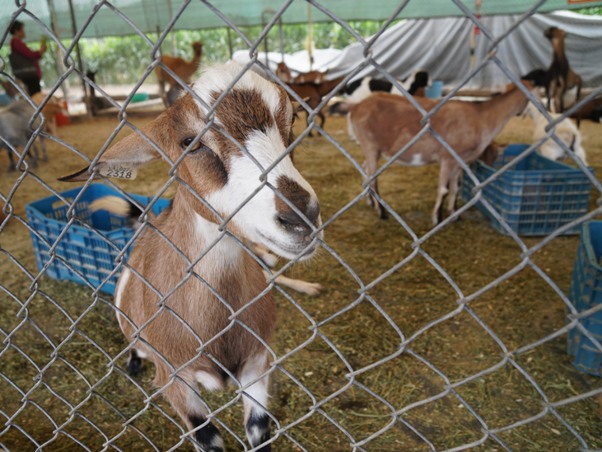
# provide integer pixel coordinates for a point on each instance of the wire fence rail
(457, 363)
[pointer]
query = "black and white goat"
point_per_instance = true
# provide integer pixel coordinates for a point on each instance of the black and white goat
(191, 298)
(359, 89)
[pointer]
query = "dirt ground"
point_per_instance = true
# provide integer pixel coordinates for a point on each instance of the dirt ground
(389, 359)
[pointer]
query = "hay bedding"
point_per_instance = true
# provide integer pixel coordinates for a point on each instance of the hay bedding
(363, 330)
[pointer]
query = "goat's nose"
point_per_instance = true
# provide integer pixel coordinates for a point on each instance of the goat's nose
(295, 224)
(291, 193)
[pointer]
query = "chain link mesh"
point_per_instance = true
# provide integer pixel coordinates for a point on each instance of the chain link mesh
(354, 375)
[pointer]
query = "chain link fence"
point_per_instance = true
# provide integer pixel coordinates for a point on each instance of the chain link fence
(450, 337)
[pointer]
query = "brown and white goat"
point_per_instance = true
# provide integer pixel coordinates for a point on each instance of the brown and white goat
(123, 208)
(385, 123)
(191, 299)
(313, 93)
(182, 68)
(560, 77)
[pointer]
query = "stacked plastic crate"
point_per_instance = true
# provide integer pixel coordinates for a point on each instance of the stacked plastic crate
(72, 243)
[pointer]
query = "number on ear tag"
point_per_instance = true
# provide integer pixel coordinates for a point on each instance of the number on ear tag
(118, 170)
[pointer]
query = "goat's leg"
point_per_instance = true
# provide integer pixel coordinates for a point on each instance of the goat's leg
(34, 154)
(445, 172)
(452, 196)
(296, 284)
(134, 365)
(322, 119)
(350, 130)
(264, 254)
(162, 93)
(577, 96)
(551, 92)
(11, 165)
(187, 403)
(43, 146)
(255, 400)
(370, 165)
(36, 149)
(559, 95)
(313, 102)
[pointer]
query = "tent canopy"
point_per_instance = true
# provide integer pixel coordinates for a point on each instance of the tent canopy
(152, 15)
(441, 46)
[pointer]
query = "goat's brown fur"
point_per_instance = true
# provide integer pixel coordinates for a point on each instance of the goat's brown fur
(313, 93)
(385, 123)
(52, 107)
(284, 73)
(184, 69)
(187, 315)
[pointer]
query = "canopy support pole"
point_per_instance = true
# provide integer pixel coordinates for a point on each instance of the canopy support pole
(60, 67)
(80, 65)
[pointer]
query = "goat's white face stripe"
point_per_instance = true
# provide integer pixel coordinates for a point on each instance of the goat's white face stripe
(257, 114)
(244, 178)
(220, 78)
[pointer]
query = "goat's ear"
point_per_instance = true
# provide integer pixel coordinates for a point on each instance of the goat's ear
(123, 159)
(297, 107)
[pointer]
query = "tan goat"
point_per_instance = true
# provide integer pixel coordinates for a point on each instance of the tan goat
(182, 68)
(50, 109)
(191, 298)
(385, 123)
(284, 73)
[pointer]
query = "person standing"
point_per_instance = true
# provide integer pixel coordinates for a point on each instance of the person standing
(25, 62)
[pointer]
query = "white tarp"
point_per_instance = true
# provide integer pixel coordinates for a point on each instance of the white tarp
(442, 47)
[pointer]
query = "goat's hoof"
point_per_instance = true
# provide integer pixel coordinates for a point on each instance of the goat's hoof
(134, 366)
(313, 289)
(383, 214)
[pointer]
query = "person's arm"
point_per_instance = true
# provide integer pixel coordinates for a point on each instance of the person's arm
(21, 48)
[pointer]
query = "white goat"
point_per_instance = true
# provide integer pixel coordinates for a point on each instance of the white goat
(565, 130)
(191, 299)
(385, 123)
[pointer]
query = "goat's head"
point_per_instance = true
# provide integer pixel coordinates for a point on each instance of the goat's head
(554, 33)
(230, 137)
(539, 77)
(197, 47)
(283, 72)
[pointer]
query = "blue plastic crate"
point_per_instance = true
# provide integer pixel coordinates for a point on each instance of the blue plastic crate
(90, 245)
(535, 197)
(585, 293)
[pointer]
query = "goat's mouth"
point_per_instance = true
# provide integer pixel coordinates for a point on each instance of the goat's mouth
(301, 249)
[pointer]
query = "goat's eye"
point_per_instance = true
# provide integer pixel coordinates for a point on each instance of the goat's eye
(197, 147)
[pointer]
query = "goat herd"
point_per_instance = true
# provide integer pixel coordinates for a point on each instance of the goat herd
(259, 114)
